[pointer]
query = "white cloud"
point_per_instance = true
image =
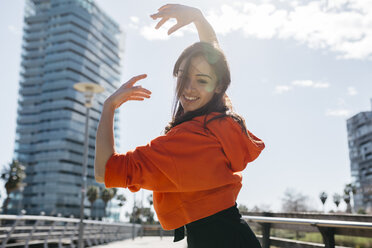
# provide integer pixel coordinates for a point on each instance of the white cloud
(310, 83)
(134, 19)
(279, 89)
(303, 83)
(150, 33)
(342, 26)
(352, 91)
(14, 30)
(321, 85)
(338, 112)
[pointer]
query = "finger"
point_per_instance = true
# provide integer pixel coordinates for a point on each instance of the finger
(140, 89)
(162, 21)
(161, 14)
(165, 6)
(136, 98)
(141, 95)
(174, 28)
(133, 80)
(147, 92)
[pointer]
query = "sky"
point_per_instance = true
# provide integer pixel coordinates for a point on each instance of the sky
(299, 70)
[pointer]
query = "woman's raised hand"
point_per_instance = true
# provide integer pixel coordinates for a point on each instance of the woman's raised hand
(128, 92)
(183, 14)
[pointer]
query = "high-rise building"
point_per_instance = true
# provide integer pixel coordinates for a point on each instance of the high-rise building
(359, 128)
(64, 42)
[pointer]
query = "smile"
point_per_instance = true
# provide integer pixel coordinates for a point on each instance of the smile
(190, 98)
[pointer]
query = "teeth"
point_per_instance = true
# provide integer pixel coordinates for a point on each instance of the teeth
(190, 98)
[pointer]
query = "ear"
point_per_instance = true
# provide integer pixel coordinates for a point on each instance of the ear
(218, 89)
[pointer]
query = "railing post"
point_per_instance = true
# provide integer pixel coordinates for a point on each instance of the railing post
(328, 235)
(63, 234)
(266, 232)
(49, 232)
(73, 233)
(266, 235)
(101, 234)
(87, 233)
(117, 233)
(33, 230)
(19, 217)
(95, 232)
(133, 229)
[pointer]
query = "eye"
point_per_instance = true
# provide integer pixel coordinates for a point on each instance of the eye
(181, 78)
(202, 81)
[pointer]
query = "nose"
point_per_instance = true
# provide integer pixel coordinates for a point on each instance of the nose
(189, 86)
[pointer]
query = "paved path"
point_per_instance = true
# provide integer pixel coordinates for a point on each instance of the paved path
(146, 242)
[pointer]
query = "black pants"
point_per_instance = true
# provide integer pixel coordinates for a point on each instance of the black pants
(225, 229)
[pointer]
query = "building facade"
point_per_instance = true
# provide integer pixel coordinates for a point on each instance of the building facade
(64, 42)
(359, 128)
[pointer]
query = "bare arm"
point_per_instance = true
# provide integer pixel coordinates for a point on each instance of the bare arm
(105, 145)
(184, 16)
(205, 30)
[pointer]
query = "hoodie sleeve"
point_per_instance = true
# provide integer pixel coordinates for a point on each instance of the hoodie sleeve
(149, 167)
(239, 148)
(186, 160)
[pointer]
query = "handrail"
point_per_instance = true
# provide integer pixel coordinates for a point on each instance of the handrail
(24, 230)
(312, 222)
(32, 229)
(327, 228)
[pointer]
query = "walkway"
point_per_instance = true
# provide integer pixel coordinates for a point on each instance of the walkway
(146, 242)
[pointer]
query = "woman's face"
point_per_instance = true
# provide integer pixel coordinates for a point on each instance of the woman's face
(200, 84)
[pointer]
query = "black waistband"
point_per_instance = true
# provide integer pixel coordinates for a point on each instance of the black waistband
(231, 212)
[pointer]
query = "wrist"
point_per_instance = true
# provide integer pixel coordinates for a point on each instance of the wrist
(198, 16)
(108, 106)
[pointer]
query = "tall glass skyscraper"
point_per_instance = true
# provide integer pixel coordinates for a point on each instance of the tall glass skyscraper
(64, 42)
(359, 128)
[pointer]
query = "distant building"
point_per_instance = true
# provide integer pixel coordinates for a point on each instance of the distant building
(64, 42)
(359, 128)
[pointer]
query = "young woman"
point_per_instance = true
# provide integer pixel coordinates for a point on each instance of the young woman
(194, 169)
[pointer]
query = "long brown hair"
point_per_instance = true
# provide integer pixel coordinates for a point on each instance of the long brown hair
(219, 102)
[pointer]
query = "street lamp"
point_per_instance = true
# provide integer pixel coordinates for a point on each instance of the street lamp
(88, 89)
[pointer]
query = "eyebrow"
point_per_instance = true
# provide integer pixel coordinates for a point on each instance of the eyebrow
(199, 74)
(203, 75)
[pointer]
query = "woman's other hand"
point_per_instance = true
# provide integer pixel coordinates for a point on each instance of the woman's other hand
(183, 14)
(128, 92)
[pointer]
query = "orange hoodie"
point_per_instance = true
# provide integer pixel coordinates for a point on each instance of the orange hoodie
(193, 172)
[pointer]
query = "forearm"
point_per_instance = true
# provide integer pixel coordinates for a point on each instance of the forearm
(205, 30)
(105, 145)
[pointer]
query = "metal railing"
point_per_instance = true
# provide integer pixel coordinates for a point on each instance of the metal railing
(26, 230)
(328, 228)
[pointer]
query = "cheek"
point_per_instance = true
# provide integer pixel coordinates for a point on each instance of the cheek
(209, 88)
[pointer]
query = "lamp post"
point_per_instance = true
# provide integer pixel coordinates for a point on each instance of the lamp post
(88, 89)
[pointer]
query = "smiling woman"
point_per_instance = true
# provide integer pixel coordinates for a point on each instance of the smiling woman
(194, 169)
(197, 87)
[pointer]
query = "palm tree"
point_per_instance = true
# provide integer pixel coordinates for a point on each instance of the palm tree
(323, 197)
(337, 199)
(347, 201)
(122, 199)
(107, 195)
(150, 199)
(13, 177)
(349, 190)
(92, 195)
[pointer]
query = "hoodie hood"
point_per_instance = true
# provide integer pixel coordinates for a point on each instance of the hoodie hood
(239, 147)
